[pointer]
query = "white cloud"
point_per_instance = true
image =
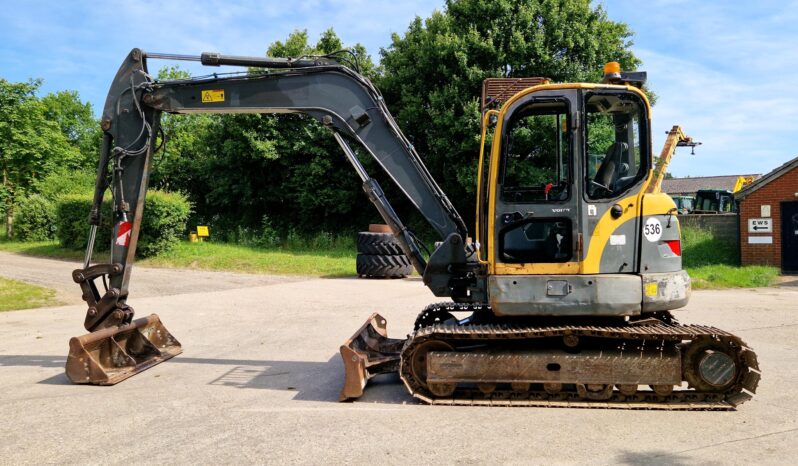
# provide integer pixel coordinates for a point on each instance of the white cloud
(723, 72)
(746, 127)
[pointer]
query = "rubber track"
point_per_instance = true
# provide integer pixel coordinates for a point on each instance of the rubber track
(746, 384)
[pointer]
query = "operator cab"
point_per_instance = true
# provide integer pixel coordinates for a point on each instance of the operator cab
(563, 172)
(565, 156)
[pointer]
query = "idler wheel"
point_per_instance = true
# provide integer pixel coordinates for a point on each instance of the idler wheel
(716, 368)
(418, 364)
(710, 365)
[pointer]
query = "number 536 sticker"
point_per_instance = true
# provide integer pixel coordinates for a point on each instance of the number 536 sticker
(653, 229)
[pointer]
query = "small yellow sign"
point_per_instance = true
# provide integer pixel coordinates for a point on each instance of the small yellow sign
(202, 231)
(651, 289)
(212, 95)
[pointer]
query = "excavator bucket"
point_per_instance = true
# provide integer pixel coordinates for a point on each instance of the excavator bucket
(369, 352)
(111, 355)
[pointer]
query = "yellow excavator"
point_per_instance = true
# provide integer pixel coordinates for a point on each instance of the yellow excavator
(563, 298)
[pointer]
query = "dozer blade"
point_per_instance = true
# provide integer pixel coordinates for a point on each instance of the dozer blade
(369, 352)
(111, 355)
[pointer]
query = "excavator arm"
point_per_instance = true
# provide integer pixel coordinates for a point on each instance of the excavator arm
(338, 97)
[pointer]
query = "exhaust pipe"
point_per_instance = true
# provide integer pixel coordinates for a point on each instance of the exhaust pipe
(111, 355)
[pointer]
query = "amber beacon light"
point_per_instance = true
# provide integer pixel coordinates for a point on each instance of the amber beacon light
(612, 70)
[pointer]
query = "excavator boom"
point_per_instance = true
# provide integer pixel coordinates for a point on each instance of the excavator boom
(341, 99)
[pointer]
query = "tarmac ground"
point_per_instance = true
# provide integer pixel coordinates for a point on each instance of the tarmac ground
(260, 374)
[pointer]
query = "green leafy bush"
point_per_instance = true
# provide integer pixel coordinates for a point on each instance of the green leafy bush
(35, 219)
(63, 182)
(164, 222)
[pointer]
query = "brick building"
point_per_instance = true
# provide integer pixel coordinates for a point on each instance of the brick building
(769, 219)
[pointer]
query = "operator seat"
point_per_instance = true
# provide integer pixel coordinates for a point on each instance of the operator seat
(610, 169)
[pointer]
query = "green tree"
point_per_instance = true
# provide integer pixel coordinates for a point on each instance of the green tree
(31, 145)
(77, 122)
(241, 168)
(297, 45)
(432, 75)
(175, 168)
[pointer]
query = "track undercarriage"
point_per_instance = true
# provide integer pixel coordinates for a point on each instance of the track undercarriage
(643, 363)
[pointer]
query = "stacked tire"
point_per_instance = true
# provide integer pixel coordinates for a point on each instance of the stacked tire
(379, 255)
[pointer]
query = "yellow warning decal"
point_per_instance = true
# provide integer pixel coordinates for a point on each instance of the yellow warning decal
(212, 95)
(651, 289)
(202, 231)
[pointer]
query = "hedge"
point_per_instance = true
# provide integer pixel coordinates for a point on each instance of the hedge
(35, 219)
(163, 224)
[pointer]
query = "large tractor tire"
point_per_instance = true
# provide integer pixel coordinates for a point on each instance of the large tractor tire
(383, 244)
(372, 265)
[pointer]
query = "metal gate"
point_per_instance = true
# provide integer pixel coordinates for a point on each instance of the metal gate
(789, 237)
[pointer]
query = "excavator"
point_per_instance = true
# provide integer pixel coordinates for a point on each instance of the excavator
(562, 298)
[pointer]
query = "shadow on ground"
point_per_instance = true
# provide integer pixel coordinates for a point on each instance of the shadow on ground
(311, 380)
(654, 457)
(789, 281)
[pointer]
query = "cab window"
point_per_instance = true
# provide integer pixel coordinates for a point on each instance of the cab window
(536, 154)
(615, 155)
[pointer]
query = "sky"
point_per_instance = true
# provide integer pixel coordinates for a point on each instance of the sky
(724, 71)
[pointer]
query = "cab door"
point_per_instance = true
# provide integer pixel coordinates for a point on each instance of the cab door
(535, 207)
(616, 165)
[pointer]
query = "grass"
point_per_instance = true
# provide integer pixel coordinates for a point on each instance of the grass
(317, 257)
(727, 276)
(333, 262)
(38, 248)
(15, 295)
(712, 263)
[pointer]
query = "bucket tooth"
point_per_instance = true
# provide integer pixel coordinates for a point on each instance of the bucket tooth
(367, 353)
(112, 354)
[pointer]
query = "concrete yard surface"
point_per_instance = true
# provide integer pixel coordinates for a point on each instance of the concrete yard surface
(259, 377)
